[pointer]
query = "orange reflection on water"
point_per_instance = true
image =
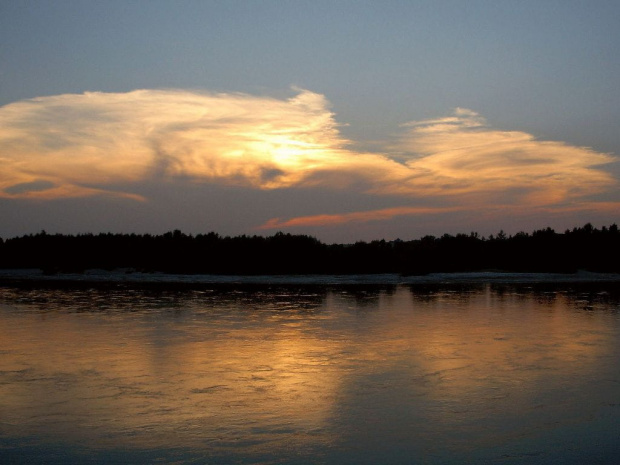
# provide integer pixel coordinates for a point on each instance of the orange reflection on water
(253, 377)
(110, 383)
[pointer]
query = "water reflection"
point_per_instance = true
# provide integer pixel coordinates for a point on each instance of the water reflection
(302, 374)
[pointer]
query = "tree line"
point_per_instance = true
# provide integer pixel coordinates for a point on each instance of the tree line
(543, 250)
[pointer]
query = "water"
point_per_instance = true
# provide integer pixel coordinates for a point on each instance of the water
(432, 373)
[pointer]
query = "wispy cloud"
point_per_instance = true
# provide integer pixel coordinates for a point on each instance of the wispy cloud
(482, 211)
(353, 217)
(80, 144)
(90, 144)
(461, 155)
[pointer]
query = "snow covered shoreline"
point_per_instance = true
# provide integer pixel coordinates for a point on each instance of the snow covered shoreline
(129, 276)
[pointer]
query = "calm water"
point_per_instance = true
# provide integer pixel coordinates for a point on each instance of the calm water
(433, 373)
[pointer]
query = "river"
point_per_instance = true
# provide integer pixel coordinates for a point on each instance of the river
(302, 372)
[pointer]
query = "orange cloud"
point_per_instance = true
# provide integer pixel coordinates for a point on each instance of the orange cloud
(389, 213)
(353, 217)
(89, 144)
(79, 144)
(461, 155)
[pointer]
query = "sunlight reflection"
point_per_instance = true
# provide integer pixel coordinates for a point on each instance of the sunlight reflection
(253, 371)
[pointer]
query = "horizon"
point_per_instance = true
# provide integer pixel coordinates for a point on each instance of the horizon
(474, 234)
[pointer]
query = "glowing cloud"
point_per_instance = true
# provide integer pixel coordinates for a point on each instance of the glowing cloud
(486, 211)
(105, 143)
(76, 145)
(353, 217)
(460, 155)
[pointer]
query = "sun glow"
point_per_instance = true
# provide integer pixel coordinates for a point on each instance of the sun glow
(89, 144)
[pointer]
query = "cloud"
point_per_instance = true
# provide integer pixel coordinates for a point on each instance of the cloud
(489, 211)
(80, 145)
(77, 145)
(461, 156)
(353, 217)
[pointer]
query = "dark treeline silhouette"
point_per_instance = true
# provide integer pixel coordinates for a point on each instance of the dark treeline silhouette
(544, 250)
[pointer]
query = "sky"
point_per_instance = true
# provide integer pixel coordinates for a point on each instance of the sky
(344, 120)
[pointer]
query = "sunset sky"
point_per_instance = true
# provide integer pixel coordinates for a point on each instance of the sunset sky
(345, 120)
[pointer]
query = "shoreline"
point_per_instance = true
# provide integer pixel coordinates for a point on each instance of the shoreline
(121, 276)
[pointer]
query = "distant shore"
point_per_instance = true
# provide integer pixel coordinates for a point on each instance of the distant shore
(174, 253)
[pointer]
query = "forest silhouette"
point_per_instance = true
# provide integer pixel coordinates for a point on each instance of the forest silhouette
(544, 250)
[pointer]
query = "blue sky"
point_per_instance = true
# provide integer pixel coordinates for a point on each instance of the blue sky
(384, 98)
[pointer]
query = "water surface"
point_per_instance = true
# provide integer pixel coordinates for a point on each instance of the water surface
(299, 373)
